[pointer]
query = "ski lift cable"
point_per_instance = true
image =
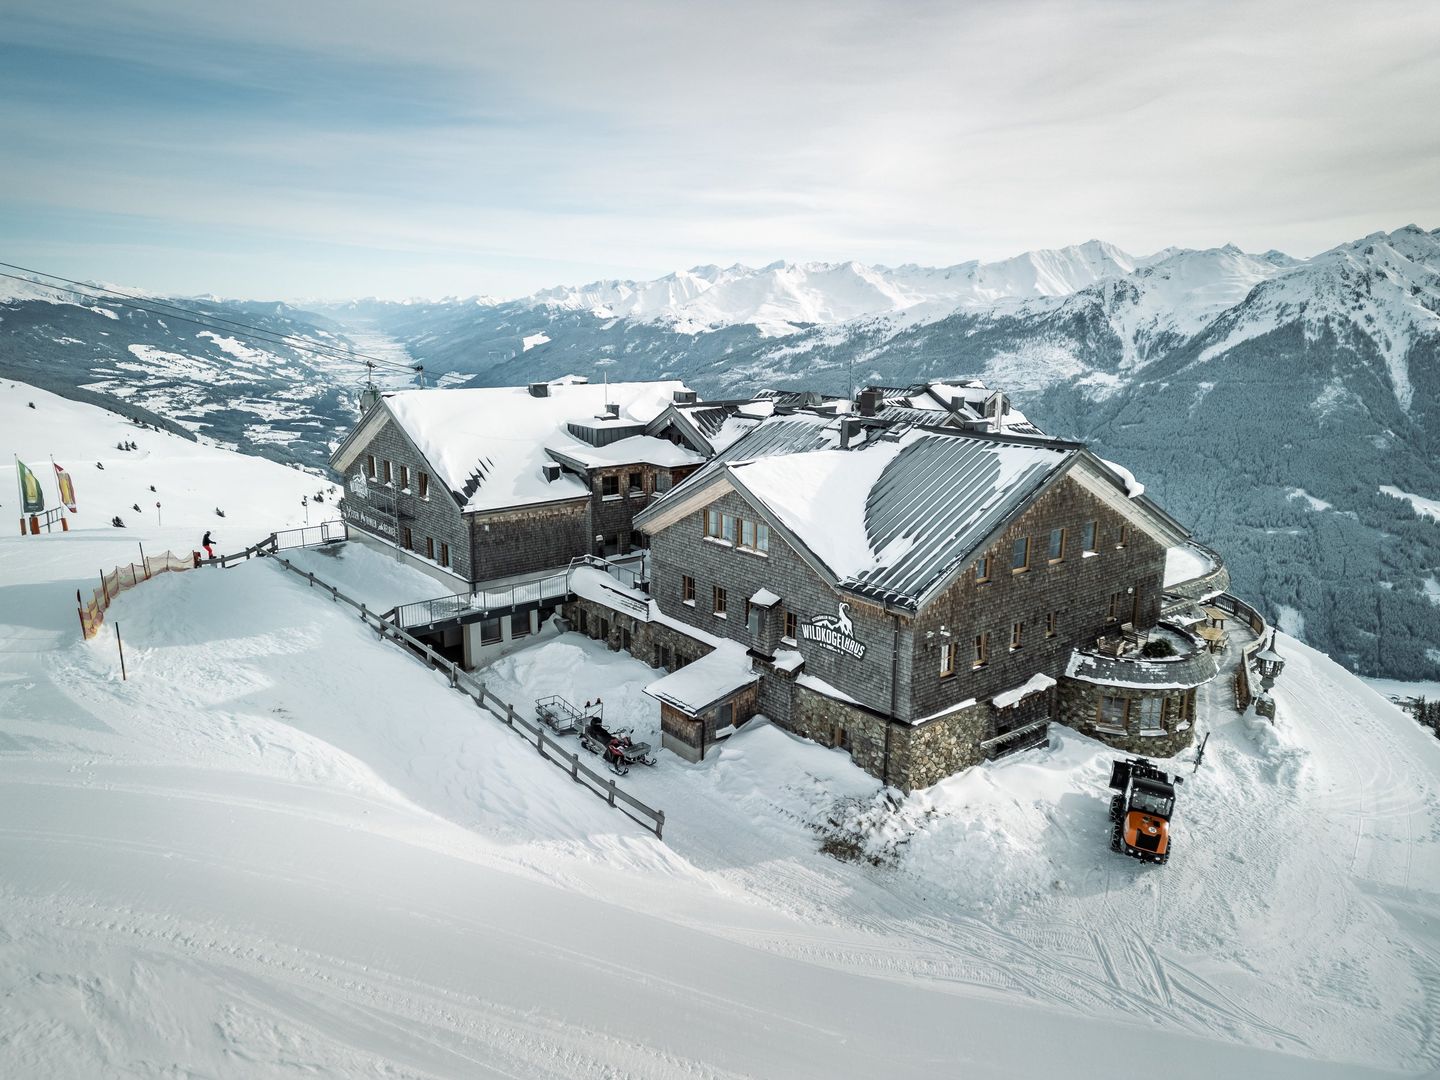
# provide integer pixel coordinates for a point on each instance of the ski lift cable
(213, 322)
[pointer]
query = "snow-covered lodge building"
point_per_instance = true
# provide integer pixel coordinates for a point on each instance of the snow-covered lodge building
(480, 485)
(920, 578)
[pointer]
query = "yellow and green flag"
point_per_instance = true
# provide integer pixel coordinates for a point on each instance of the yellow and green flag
(31, 497)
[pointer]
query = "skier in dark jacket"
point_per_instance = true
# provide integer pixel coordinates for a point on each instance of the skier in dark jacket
(207, 544)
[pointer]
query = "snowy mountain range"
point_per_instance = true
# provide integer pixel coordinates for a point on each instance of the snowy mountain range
(1228, 380)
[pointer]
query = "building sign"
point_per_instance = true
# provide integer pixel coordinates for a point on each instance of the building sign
(359, 487)
(834, 632)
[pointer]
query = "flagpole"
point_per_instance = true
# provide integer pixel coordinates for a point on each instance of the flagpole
(55, 476)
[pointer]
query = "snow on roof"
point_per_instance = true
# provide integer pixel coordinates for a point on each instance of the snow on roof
(891, 517)
(1185, 563)
(1034, 685)
(592, 583)
(715, 676)
(788, 660)
(636, 450)
(487, 444)
(764, 598)
(820, 686)
(1133, 488)
(1159, 673)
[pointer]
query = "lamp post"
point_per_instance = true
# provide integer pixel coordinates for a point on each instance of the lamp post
(1268, 664)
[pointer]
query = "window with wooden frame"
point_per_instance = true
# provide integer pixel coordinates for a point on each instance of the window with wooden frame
(370, 466)
(1020, 555)
(762, 537)
(753, 617)
(687, 589)
(404, 477)
(609, 486)
(1124, 536)
(1113, 713)
(747, 533)
(729, 527)
(1113, 612)
(1057, 545)
(636, 483)
(385, 471)
(720, 602)
(1152, 719)
(430, 548)
(947, 659)
(792, 625)
(444, 553)
(712, 523)
(982, 650)
(1092, 537)
(1017, 635)
(405, 538)
(982, 569)
(1052, 624)
(423, 480)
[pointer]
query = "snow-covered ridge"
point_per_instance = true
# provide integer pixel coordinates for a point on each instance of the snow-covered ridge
(782, 297)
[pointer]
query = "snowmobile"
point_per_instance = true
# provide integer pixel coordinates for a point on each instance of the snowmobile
(619, 751)
(1140, 814)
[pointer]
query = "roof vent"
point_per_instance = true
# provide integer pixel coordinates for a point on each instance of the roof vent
(551, 472)
(539, 389)
(683, 397)
(612, 408)
(869, 402)
(848, 428)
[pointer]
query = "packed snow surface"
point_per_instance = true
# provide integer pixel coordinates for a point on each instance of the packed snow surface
(282, 847)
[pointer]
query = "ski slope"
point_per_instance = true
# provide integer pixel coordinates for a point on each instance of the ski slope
(283, 848)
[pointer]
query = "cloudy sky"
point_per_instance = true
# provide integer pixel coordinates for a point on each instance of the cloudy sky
(304, 149)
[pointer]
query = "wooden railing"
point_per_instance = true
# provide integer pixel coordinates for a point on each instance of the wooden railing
(461, 680)
(1244, 693)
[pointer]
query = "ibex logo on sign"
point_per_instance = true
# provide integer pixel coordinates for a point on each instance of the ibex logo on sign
(358, 486)
(834, 632)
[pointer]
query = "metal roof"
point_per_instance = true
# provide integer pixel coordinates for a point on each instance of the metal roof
(891, 519)
(946, 495)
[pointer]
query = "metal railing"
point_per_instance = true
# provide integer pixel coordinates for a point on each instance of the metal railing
(443, 608)
(508, 598)
(460, 679)
(327, 532)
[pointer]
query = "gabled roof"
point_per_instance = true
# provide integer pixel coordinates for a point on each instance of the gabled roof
(889, 520)
(488, 445)
(895, 519)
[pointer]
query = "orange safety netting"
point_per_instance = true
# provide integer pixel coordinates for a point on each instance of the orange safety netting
(92, 613)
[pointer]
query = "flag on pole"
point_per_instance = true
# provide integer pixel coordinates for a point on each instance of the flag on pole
(66, 487)
(31, 497)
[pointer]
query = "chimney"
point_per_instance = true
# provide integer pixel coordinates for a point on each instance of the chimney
(539, 389)
(869, 402)
(551, 472)
(848, 427)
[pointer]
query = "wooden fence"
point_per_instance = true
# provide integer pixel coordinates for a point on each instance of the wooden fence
(92, 611)
(549, 748)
